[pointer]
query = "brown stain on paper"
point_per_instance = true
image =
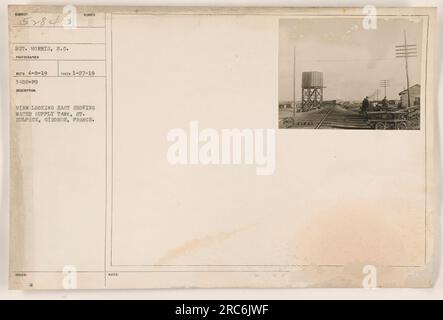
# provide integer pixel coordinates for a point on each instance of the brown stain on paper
(359, 233)
(198, 243)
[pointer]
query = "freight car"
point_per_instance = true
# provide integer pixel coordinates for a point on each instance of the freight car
(385, 120)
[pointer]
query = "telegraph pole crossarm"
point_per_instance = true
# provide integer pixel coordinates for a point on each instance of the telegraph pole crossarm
(385, 84)
(406, 51)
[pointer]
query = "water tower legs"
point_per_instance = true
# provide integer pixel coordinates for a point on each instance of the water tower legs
(312, 98)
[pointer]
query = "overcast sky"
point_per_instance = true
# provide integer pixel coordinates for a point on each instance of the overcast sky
(353, 59)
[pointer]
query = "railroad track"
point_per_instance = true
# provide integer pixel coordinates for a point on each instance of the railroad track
(324, 118)
(335, 118)
(327, 117)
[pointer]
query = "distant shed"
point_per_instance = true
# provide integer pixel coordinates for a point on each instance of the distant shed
(415, 96)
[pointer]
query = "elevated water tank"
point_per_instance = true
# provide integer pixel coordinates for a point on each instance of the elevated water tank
(312, 79)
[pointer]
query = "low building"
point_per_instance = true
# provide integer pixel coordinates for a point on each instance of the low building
(285, 105)
(415, 96)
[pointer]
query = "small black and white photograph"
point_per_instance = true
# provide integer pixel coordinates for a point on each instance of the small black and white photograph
(350, 73)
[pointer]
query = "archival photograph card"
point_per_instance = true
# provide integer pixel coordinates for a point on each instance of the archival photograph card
(168, 147)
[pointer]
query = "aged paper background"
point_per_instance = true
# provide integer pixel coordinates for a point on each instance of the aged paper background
(134, 221)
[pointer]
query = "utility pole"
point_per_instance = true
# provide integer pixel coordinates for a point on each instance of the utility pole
(293, 85)
(406, 51)
(385, 84)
